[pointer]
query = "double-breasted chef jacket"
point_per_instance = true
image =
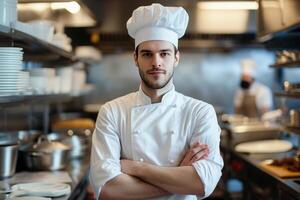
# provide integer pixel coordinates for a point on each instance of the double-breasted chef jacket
(131, 127)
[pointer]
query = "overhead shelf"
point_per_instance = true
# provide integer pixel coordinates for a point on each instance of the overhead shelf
(288, 94)
(33, 98)
(293, 64)
(29, 97)
(35, 49)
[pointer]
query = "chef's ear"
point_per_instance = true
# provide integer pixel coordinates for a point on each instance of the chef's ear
(177, 57)
(135, 58)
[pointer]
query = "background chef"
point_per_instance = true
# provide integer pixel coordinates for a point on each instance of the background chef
(252, 99)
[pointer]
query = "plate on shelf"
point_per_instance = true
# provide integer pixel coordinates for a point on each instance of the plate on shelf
(264, 146)
(10, 50)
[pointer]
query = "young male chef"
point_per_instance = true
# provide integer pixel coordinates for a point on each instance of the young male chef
(252, 99)
(156, 143)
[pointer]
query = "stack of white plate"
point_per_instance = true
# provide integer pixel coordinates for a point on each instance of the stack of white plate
(12, 79)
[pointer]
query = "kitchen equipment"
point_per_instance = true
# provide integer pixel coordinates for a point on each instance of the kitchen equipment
(264, 146)
(46, 155)
(252, 131)
(78, 141)
(27, 136)
(8, 156)
(234, 118)
(278, 170)
(295, 118)
(291, 87)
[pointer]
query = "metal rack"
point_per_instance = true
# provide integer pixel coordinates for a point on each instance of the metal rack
(292, 64)
(35, 49)
(38, 50)
(288, 94)
(295, 95)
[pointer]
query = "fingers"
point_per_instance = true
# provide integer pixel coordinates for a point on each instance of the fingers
(202, 154)
(196, 152)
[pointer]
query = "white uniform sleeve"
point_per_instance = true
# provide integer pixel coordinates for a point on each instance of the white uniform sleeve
(207, 131)
(105, 153)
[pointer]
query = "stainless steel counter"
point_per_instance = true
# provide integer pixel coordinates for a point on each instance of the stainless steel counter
(78, 170)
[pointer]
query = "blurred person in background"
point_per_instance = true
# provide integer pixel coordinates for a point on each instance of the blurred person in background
(252, 99)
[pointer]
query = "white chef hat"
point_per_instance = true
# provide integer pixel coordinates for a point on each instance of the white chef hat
(248, 67)
(157, 22)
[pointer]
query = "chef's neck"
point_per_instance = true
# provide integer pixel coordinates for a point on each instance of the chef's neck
(157, 94)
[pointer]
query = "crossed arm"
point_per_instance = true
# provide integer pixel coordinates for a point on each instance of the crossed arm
(142, 181)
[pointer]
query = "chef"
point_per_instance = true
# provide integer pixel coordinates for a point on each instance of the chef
(252, 99)
(156, 143)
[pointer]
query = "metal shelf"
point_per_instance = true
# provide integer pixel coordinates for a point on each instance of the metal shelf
(88, 88)
(33, 98)
(30, 98)
(288, 94)
(293, 64)
(35, 49)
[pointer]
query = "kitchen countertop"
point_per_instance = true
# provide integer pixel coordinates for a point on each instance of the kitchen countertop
(77, 169)
(252, 163)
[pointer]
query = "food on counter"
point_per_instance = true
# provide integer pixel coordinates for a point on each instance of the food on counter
(290, 163)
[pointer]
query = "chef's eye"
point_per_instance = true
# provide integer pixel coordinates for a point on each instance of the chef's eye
(164, 54)
(147, 55)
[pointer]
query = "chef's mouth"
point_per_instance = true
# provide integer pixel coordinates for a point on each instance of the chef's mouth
(157, 72)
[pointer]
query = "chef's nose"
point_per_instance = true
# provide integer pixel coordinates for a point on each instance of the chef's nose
(157, 61)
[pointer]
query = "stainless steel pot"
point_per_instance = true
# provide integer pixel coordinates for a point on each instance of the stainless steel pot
(78, 141)
(46, 155)
(8, 156)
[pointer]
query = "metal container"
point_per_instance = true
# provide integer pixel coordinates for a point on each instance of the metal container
(252, 132)
(77, 140)
(295, 117)
(46, 155)
(8, 156)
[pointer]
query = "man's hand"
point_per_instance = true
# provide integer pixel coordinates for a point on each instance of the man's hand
(197, 152)
(129, 166)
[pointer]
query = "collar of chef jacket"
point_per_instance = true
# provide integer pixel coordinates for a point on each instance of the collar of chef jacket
(167, 99)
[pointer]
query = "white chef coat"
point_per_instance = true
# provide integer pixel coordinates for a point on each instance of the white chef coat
(130, 127)
(263, 96)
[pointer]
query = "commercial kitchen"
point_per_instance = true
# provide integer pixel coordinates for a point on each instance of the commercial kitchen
(62, 60)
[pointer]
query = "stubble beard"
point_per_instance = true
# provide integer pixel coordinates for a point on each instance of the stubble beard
(153, 85)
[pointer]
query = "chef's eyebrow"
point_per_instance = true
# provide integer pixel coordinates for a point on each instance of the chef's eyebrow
(149, 51)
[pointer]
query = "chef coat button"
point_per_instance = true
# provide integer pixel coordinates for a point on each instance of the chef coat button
(172, 132)
(174, 105)
(172, 161)
(141, 160)
(136, 132)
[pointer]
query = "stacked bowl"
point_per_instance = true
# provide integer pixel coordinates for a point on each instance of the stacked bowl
(12, 78)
